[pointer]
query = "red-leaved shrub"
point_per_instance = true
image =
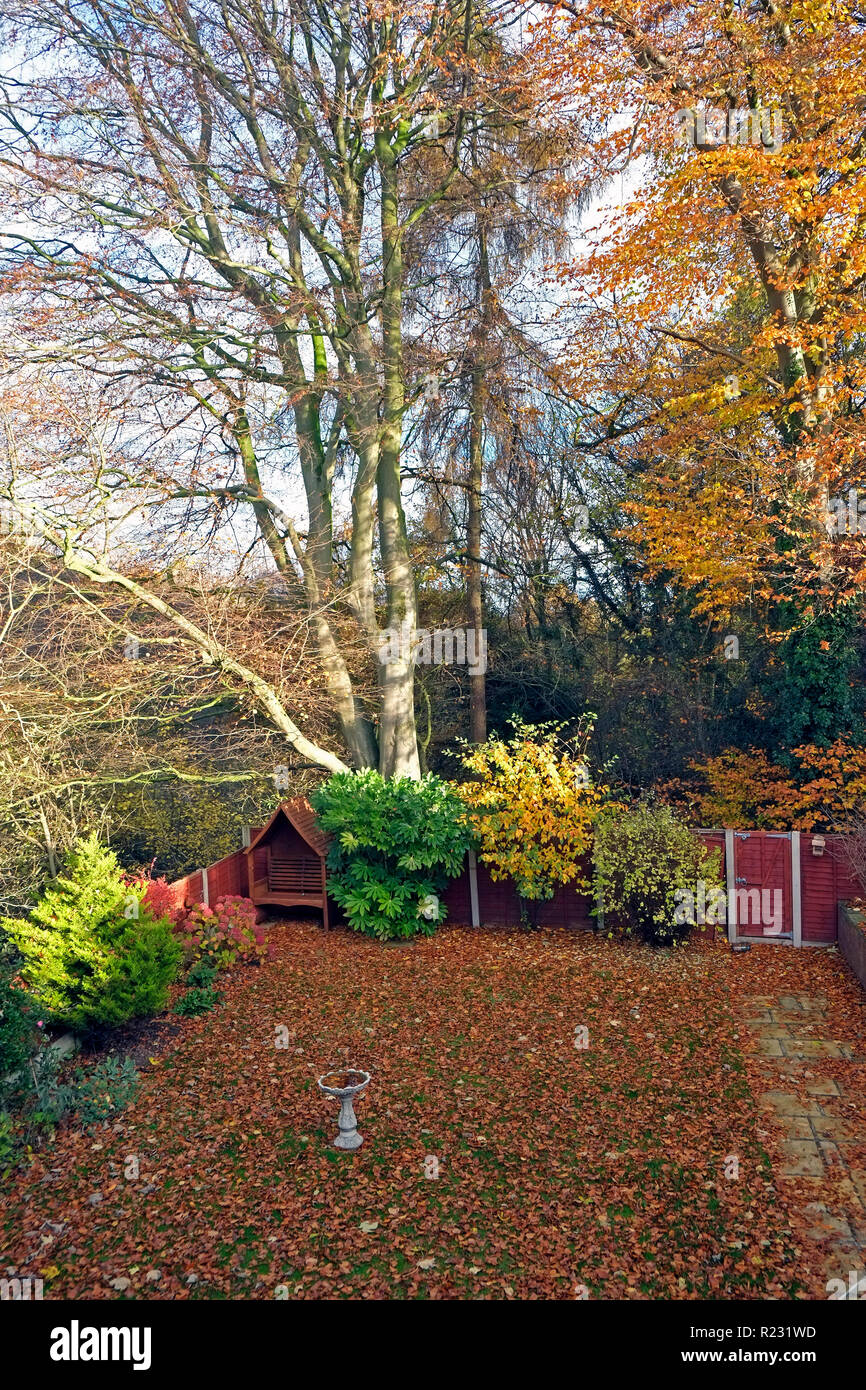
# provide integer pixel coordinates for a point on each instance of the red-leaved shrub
(158, 896)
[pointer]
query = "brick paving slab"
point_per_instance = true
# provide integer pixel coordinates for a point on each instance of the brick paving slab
(830, 1127)
(785, 1104)
(803, 1159)
(858, 1182)
(810, 1047)
(823, 1088)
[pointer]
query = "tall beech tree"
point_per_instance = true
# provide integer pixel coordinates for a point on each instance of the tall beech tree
(218, 196)
(720, 348)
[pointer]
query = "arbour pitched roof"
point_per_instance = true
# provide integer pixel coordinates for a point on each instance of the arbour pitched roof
(300, 814)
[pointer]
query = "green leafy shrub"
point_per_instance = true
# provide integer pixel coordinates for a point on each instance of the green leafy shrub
(224, 933)
(197, 1001)
(395, 845)
(104, 1090)
(8, 1140)
(202, 974)
(19, 1035)
(46, 1093)
(93, 955)
(647, 864)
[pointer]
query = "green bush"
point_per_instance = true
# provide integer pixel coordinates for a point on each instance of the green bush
(203, 973)
(148, 955)
(46, 1093)
(8, 1141)
(396, 843)
(46, 1097)
(18, 1033)
(647, 864)
(104, 1090)
(197, 1001)
(93, 955)
(35, 1105)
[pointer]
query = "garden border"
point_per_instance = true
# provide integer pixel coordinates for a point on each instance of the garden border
(809, 870)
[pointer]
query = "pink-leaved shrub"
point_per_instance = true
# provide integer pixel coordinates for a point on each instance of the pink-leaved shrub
(224, 933)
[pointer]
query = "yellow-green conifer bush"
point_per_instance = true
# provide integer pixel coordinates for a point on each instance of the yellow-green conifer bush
(93, 955)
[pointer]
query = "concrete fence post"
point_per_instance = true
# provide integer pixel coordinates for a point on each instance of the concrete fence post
(731, 884)
(473, 888)
(796, 889)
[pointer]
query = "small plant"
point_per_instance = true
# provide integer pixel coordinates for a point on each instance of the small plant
(92, 953)
(19, 1036)
(395, 845)
(104, 1090)
(197, 1001)
(532, 804)
(50, 1096)
(224, 933)
(8, 1141)
(46, 1093)
(202, 974)
(645, 861)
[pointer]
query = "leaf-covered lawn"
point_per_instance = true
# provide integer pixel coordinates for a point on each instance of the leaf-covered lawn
(558, 1166)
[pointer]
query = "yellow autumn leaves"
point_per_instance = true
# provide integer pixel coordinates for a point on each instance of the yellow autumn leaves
(531, 804)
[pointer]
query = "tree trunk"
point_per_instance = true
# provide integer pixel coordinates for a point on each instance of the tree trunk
(475, 482)
(398, 739)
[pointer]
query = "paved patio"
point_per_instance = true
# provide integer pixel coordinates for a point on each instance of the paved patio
(814, 1102)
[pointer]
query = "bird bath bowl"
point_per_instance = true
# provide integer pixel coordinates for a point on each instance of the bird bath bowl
(344, 1083)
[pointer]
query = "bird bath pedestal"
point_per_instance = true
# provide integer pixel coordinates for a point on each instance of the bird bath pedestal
(345, 1083)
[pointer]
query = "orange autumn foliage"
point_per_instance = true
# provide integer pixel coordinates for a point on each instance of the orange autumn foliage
(718, 290)
(746, 790)
(734, 789)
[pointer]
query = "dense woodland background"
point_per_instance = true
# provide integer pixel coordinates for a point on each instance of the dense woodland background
(326, 318)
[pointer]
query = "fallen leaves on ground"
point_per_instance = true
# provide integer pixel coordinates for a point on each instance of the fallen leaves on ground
(559, 1169)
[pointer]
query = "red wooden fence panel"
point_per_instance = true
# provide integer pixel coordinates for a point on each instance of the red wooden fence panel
(826, 881)
(762, 864)
(499, 903)
(457, 898)
(228, 877)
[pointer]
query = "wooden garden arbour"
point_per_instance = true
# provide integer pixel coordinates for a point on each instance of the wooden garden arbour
(286, 860)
